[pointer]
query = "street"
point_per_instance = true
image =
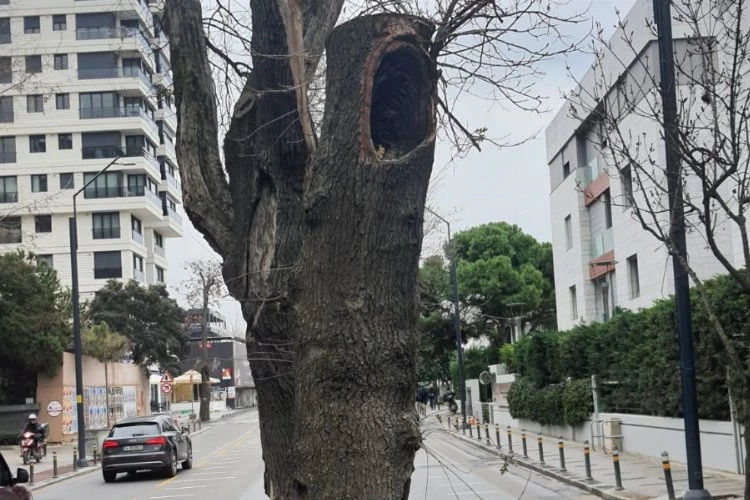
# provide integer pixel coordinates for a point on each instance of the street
(227, 465)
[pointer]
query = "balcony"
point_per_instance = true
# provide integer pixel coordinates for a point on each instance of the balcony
(138, 237)
(6, 117)
(172, 214)
(139, 276)
(160, 251)
(164, 80)
(96, 113)
(108, 33)
(8, 196)
(8, 157)
(106, 233)
(101, 73)
(602, 243)
(592, 171)
(122, 192)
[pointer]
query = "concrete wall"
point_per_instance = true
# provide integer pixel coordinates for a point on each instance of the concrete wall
(648, 436)
(131, 379)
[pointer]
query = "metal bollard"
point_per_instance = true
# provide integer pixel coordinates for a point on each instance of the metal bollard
(487, 433)
(497, 436)
(449, 422)
(561, 447)
(523, 442)
(618, 475)
(587, 460)
(479, 430)
(510, 439)
(54, 464)
(541, 448)
(31, 473)
(75, 459)
(93, 453)
(471, 425)
(463, 425)
(200, 424)
(667, 474)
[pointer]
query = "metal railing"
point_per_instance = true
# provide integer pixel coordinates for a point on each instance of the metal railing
(103, 233)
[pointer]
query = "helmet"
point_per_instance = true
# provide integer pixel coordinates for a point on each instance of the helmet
(32, 416)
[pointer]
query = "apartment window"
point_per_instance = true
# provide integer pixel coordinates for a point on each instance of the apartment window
(99, 105)
(45, 260)
(107, 265)
(6, 69)
(5, 30)
(158, 240)
(6, 109)
(607, 199)
(43, 223)
(61, 61)
(8, 189)
(59, 22)
(626, 179)
(67, 181)
(35, 103)
(573, 303)
(37, 144)
(136, 224)
(7, 149)
(65, 141)
(106, 225)
(39, 183)
(137, 262)
(10, 230)
(568, 233)
(107, 185)
(635, 284)
(62, 101)
(34, 64)
(159, 275)
(31, 24)
(566, 169)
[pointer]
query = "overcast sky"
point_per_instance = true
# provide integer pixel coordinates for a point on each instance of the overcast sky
(508, 184)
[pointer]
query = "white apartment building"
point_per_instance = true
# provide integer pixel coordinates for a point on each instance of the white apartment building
(83, 82)
(603, 258)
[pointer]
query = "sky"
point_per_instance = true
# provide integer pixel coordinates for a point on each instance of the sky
(507, 184)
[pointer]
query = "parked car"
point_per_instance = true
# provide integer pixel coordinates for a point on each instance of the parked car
(10, 487)
(152, 443)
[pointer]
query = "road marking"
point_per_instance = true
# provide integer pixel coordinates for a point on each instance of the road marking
(186, 487)
(173, 496)
(203, 479)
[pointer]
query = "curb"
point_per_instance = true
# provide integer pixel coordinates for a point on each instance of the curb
(551, 473)
(55, 480)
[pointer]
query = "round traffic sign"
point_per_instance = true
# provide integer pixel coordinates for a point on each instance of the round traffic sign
(166, 387)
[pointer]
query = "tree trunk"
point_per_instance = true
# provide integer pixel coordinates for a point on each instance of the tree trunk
(356, 291)
(205, 393)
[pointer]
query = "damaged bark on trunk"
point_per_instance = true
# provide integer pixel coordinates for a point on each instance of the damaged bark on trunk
(320, 242)
(356, 291)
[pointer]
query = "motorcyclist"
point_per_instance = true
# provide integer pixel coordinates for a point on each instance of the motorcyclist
(33, 426)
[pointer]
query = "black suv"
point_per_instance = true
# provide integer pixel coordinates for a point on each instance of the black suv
(153, 443)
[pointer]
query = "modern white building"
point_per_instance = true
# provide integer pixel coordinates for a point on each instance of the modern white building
(603, 257)
(83, 82)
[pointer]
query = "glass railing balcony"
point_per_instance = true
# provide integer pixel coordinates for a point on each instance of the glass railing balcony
(8, 157)
(94, 113)
(137, 237)
(172, 214)
(592, 171)
(139, 275)
(160, 251)
(107, 32)
(602, 243)
(153, 198)
(102, 233)
(99, 73)
(8, 196)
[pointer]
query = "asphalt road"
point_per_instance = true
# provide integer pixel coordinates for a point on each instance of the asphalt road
(227, 464)
(448, 469)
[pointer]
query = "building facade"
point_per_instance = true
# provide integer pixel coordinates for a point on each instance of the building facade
(603, 257)
(84, 83)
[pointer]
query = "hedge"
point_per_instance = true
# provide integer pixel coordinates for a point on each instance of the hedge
(635, 357)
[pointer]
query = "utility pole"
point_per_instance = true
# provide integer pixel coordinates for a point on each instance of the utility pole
(663, 19)
(456, 318)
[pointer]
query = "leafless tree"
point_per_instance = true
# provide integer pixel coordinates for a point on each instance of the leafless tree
(203, 289)
(318, 217)
(620, 99)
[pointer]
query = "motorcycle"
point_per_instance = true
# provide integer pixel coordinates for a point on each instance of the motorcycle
(29, 451)
(451, 400)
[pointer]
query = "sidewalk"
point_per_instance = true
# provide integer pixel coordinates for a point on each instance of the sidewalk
(642, 477)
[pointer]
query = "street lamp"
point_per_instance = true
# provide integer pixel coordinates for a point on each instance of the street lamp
(663, 19)
(73, 223)
(456, 318)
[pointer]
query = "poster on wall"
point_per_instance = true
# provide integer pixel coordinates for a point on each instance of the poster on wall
(129, 406)
(69, 414)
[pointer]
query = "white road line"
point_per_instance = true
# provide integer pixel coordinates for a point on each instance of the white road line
(173, 496)
(187, 487)
(203, 479)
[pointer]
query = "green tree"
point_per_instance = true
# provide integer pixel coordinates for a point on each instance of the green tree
(34, 330)
(107, 346)
(498, 265)
(150, 320)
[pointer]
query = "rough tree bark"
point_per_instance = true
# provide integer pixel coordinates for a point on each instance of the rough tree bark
(356, 291)
(362, 215)
(205, 387)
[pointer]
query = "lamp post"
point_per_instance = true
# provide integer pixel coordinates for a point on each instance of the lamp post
(73, 223)
(663, 19)
(456, 318)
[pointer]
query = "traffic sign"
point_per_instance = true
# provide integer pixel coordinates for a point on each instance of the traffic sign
(166, 387)
(167, 378)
